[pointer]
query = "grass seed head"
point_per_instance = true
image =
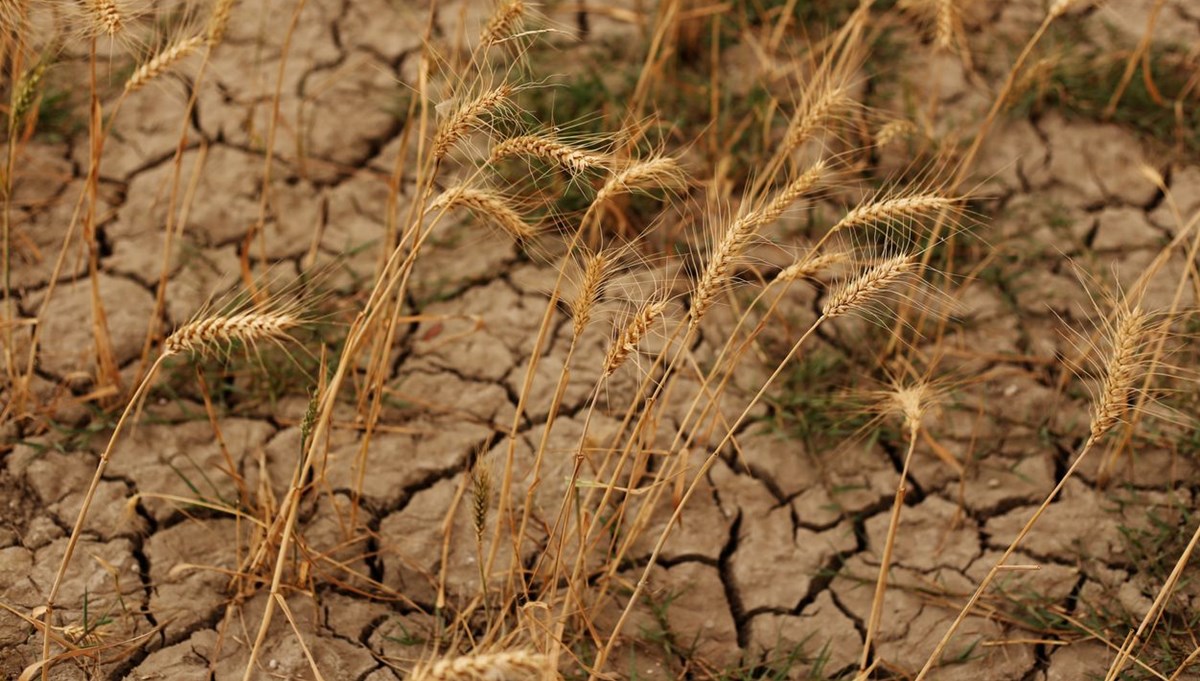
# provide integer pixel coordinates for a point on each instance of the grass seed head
(515, 665)
(218, 333)
(571, 158)
(632, 334)
(591, 287)
(487, 205)
(502, 24)
(162, 62)
(1126, 363)
(659, 172)
(868, 285)
(468, 117)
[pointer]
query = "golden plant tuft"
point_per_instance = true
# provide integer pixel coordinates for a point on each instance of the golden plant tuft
(868, 285)
(516, 665)
(572, 158)
(107, 16)
(502, 24)
(488, 205)
(1125, 364)
(162, 62)
(218, 333)
(591, 287)
(811, 265)
(895, 210)
(632, 334)
(661, 172)
(468, 116)
(218, 21)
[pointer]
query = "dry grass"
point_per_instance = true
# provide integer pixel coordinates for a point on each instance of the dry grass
(571, 504)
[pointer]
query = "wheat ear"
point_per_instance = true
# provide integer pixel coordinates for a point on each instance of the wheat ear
(867, 286)
(204, 336)
(490, 206)
(108, 16)
(503, 23)
(1121, 372)
(591, 287)
(631, 336)
(218, 21)
(161, 62)
(572, 158)
(507, 666)
(26, 92)
(895, 209)
(811, 265)
(661, 171)
(944, 25)
(815, 114)
(466, 117)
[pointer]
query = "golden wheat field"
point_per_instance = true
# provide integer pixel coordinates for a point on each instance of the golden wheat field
(455, 340)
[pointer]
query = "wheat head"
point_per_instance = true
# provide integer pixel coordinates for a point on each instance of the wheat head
(854, 293)
(466, 117)
(503, 23)
(661, 172)
(631, 336)
(572, 158)
(487, 205)
(1125, 364)
(591, 287)
(210, 334)
(506, 666)
(161, 62)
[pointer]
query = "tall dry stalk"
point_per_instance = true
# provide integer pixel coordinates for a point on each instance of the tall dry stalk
(1126, 362)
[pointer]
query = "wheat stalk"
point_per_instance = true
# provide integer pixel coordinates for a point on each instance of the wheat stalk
(488, 205)
(895, 209)
(502, 24)
(631, 336)
(203, 336)
(590, 288)
(572, 158)
(467, 117)
(161, 62)
(1122, 370)
(516, 665)
(660, 171)
(856, 292)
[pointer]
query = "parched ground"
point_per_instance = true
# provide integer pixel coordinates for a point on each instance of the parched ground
(771, 573)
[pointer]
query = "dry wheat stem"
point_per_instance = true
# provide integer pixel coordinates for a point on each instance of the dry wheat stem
(1123, 367)
(631, 336)
(854, 293)
(701, 474)
(572, 158)
(489, 206)
(466, 117)
(502, 24)
(208, 334)
(161, 62)
(515, 665)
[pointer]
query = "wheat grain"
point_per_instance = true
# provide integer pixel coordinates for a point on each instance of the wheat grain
(572, 158)
(515, 665)
(591, 287)
(855, 293)
(467, 117)
(661, 172)
(895, 209)
(631, 336)
(1124, 365)
(489, 206)
(209, 334)
(161, 62)
(503, 23)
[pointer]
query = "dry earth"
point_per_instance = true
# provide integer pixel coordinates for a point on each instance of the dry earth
(779, 554)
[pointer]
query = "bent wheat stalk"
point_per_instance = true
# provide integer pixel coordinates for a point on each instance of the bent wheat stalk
(1127, 361)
